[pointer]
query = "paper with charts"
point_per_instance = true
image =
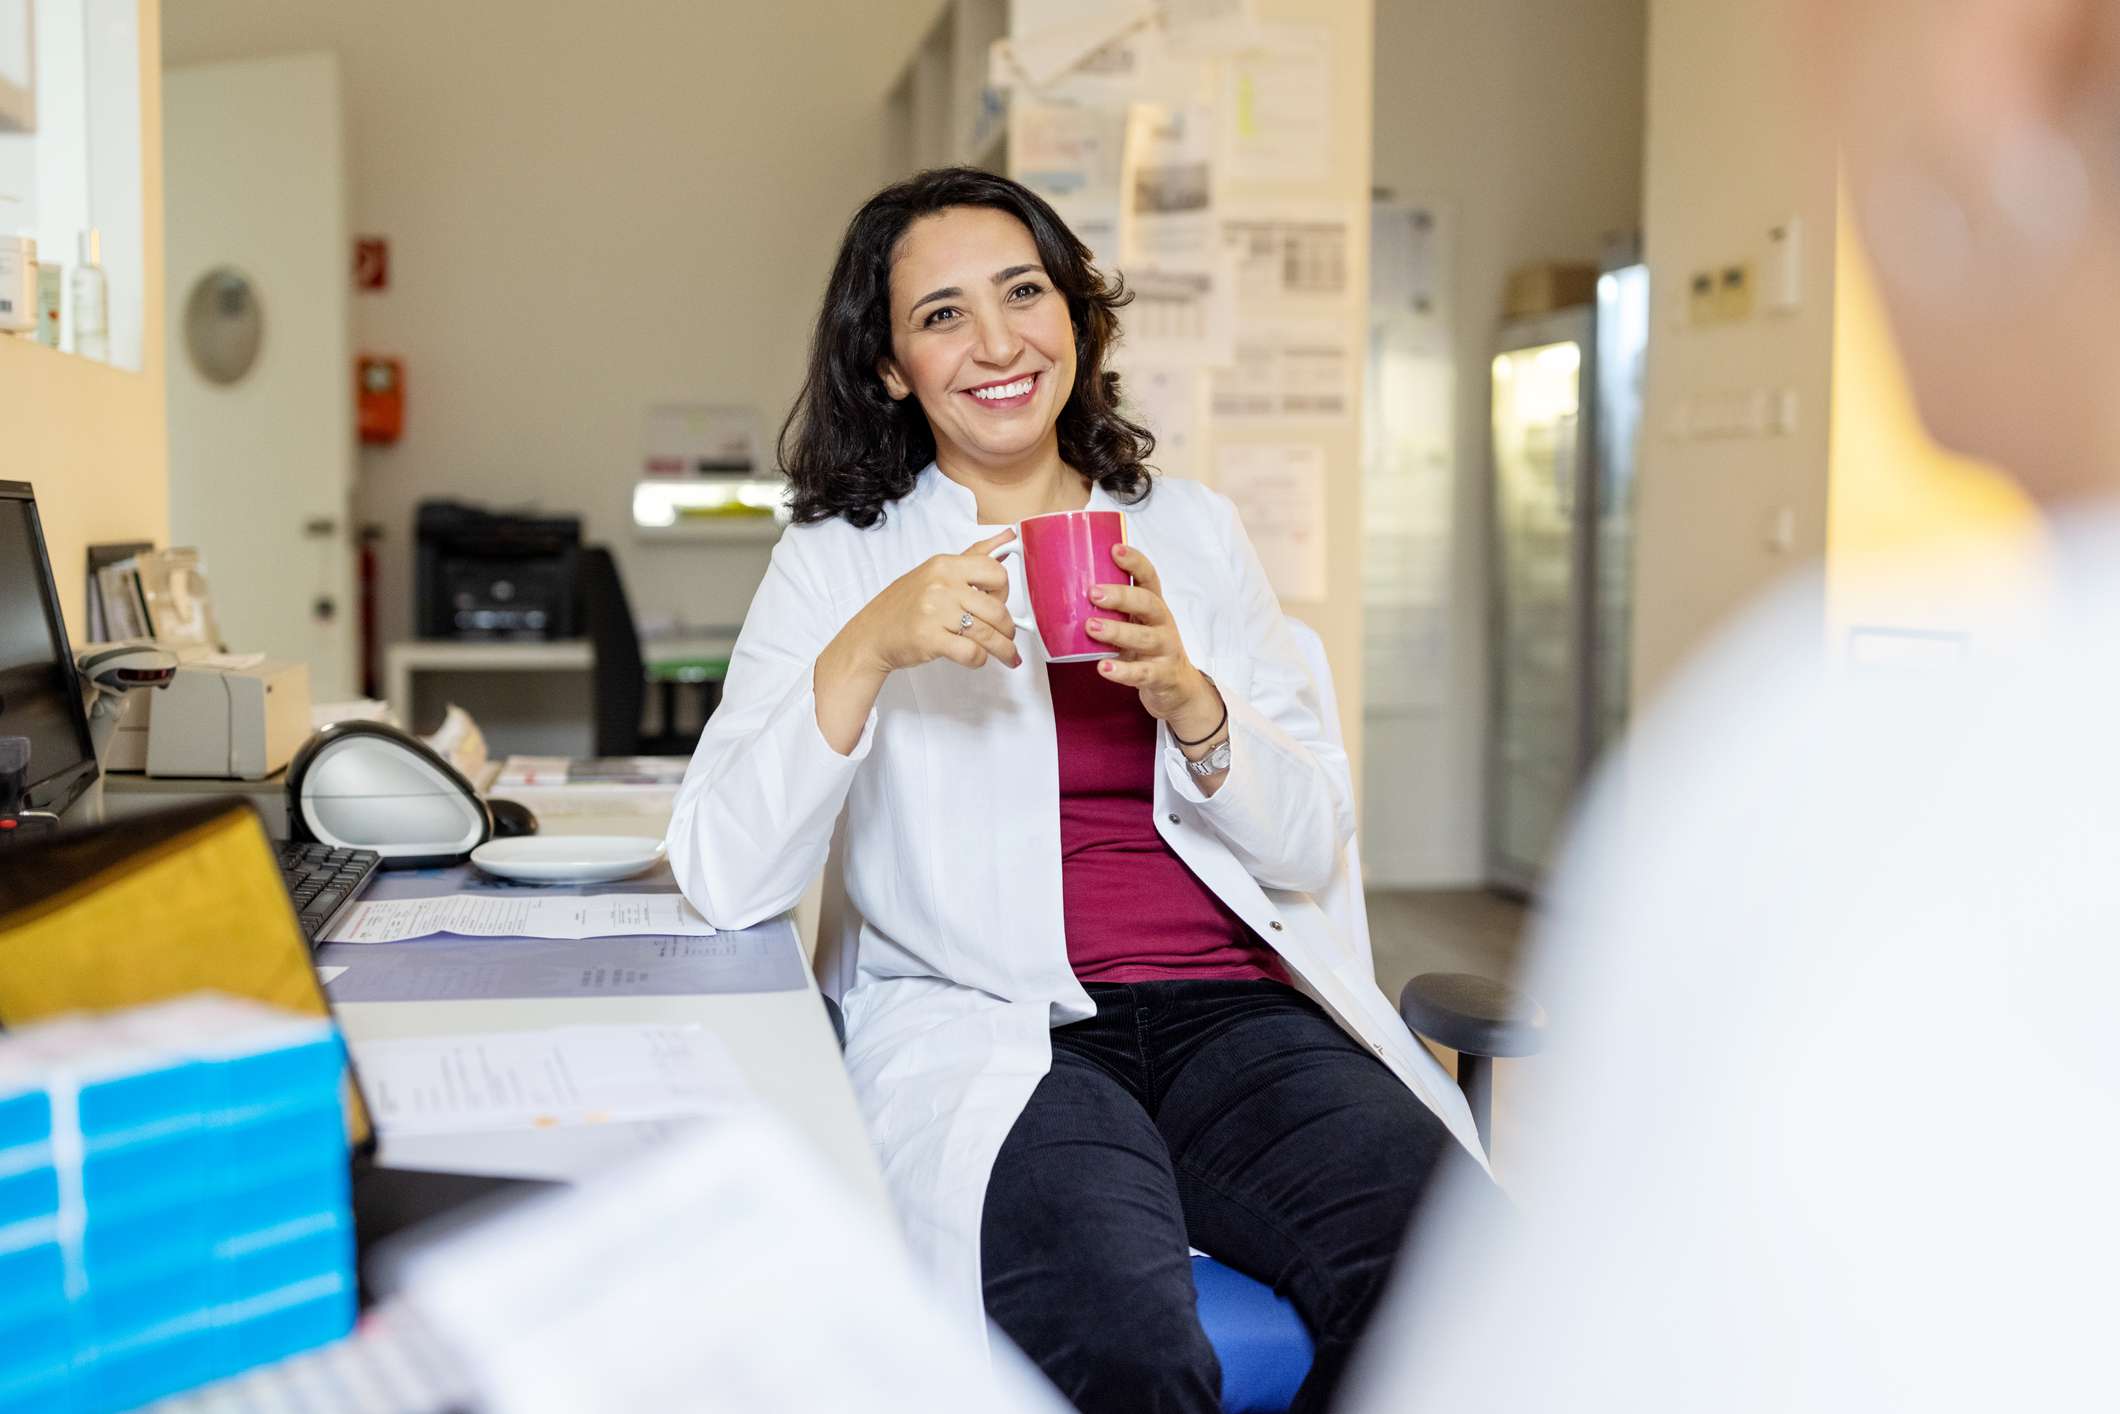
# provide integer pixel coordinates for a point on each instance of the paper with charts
(520, 915)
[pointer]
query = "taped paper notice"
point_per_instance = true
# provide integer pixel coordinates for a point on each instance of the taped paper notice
(1295, 254)
(1170, 401)
(1277, 102)
(1109, 57)
(1279, 491)
(1168, 188)
(1178, 317)
(1211, 29)
(1301, 368)
(1073, 156)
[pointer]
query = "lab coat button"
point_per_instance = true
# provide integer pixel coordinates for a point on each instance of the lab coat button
(1275, 925)
(1174, 819)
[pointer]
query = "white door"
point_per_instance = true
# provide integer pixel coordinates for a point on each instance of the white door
(261, 468)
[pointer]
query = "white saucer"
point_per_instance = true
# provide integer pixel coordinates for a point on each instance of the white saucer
(569, 859)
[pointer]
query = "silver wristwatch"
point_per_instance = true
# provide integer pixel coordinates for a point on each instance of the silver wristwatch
(1213, 763)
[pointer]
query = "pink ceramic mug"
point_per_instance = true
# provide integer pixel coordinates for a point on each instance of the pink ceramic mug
(1064, 554)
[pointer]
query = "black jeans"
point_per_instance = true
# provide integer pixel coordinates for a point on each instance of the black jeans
(1232, 1116)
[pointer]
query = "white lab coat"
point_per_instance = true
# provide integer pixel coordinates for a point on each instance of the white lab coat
(951, 961)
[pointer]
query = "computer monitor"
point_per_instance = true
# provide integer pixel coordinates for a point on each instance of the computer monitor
(40, 696)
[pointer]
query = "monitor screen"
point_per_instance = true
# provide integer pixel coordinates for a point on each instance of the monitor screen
(40, 698)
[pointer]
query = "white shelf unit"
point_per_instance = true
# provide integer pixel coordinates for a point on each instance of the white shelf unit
(941, 111)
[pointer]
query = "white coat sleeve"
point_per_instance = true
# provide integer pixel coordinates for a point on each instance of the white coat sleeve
(1286, 808)
(754, 816)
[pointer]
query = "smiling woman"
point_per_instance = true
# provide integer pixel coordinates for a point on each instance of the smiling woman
(1093, 1011)
(903, 357)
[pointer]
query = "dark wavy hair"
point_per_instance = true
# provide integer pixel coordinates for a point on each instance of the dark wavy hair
(850, 450)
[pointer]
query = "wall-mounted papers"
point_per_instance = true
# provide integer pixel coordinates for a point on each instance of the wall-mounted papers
(1287, 368)
(1279, 490)
(1178, 317)
(520, 915)
(1094, 54)
(569, 1075)
(1408, 498)
(1072, 156)
(1170, 401)
(1281, 253)
(1051, 41)
(1211, 29)
(1167, 198)
(1277, 107)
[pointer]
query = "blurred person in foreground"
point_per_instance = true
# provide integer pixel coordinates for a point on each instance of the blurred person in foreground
(1831, 1120)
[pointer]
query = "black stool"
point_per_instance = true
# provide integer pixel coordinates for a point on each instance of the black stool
(1482, 1020)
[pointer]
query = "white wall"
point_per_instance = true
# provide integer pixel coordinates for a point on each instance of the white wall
(89, 436)
(590, 209)
(1524, 119)
(1732, 152)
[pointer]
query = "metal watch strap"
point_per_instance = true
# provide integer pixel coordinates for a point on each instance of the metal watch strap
(1213, 762)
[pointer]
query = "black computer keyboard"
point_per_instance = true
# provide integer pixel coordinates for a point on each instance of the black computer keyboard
(324, 881)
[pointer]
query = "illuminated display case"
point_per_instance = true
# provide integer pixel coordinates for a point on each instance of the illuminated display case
(1567, 412)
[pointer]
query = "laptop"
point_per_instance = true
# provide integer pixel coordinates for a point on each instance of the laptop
(188, 900)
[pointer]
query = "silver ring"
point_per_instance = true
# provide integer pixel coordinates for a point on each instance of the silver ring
(964, 623)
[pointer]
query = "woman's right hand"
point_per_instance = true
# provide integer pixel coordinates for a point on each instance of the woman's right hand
(920, 616)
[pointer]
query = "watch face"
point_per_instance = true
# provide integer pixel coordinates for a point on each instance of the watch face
(1213, 761)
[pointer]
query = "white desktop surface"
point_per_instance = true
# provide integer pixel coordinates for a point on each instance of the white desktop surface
(782, 1041)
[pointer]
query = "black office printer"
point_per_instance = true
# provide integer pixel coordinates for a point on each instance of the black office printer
(494, 574)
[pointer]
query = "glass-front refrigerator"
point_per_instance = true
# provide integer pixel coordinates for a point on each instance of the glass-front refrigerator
(1567, 413)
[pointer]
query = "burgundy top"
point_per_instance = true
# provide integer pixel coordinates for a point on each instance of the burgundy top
(1135, 912)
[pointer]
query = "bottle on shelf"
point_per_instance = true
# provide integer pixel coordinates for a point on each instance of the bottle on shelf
(51, 280)
(91, 300)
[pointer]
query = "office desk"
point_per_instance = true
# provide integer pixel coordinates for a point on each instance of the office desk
(781, 1040)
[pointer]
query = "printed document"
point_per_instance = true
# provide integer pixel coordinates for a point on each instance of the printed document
(568, 1075)
(528, 915)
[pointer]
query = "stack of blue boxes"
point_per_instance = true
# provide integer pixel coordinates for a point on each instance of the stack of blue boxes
(174, 1201)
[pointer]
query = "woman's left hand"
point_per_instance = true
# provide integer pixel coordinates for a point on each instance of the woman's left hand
(1152, 656)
